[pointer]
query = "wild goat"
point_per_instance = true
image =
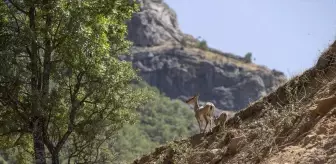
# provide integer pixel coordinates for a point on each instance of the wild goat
(202, 113)
(221, 119)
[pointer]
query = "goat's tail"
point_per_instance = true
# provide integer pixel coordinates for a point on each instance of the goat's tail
(211, 106)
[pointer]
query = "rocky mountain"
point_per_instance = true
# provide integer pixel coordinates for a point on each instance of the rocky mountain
(175, 64)
(294, 124)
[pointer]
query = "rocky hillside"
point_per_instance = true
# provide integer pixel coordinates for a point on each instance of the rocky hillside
(294, 124)
(172, 62)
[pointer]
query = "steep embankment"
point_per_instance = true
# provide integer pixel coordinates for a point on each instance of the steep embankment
(174, 63)
(294, 124)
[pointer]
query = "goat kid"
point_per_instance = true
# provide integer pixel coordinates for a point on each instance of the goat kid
(221, 119)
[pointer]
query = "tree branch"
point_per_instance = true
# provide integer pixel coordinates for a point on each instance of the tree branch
(13, 103)
(97, 150)
(17, 7)
(59, 41)
(16, 21)
(79, 149)
(77, 86)
(74, 106)
(15, 131)
(47, 142)
(28, 51)
(57, 28)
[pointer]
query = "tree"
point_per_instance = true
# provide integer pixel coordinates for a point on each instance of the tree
(248, 57)
(60, 78)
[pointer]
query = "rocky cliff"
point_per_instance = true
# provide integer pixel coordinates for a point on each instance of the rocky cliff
(172, 62)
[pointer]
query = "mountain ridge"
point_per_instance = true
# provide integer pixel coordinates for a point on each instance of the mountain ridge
(175, 63)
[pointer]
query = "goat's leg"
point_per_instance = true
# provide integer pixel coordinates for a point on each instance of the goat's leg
(210, 121)
(210, 118)
(199, 124)
(206, 125)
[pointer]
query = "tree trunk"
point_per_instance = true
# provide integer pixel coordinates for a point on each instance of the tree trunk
(38, 122)
(55, 158)
(38, 142)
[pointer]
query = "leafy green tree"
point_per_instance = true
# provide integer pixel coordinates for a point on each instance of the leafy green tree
(61, 83)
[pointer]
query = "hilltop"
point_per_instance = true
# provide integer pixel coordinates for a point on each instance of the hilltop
(293, 124)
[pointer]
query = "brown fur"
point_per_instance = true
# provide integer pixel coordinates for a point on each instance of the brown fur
(221, 119)
(202, 113)
(192, 98)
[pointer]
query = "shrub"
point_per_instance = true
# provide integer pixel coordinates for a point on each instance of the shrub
(203, 45)
(248, 57)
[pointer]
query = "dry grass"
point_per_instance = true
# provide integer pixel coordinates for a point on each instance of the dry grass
(223, 59)
(204, 54)
(284, 126)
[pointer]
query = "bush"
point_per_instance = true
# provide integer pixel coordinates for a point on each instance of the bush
(203, 45)
(248, 57)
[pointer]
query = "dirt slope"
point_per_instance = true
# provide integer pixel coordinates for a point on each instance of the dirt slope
(294, 124)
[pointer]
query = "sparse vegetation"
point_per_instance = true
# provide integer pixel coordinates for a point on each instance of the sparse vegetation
(203, 45)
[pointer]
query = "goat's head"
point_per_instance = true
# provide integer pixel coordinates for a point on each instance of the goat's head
(192, 99)
(216, 120)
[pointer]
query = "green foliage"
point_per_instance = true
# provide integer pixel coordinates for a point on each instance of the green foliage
(60, 77)
(161, 120)
(2, 161)
(248, 57)
(131, 142)
(17, 155)
(170, 119)
(203, 45)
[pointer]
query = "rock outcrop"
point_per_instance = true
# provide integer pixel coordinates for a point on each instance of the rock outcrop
(155, 24)
(171, 61)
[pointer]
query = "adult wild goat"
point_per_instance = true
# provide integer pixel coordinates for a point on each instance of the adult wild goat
(202, 113)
